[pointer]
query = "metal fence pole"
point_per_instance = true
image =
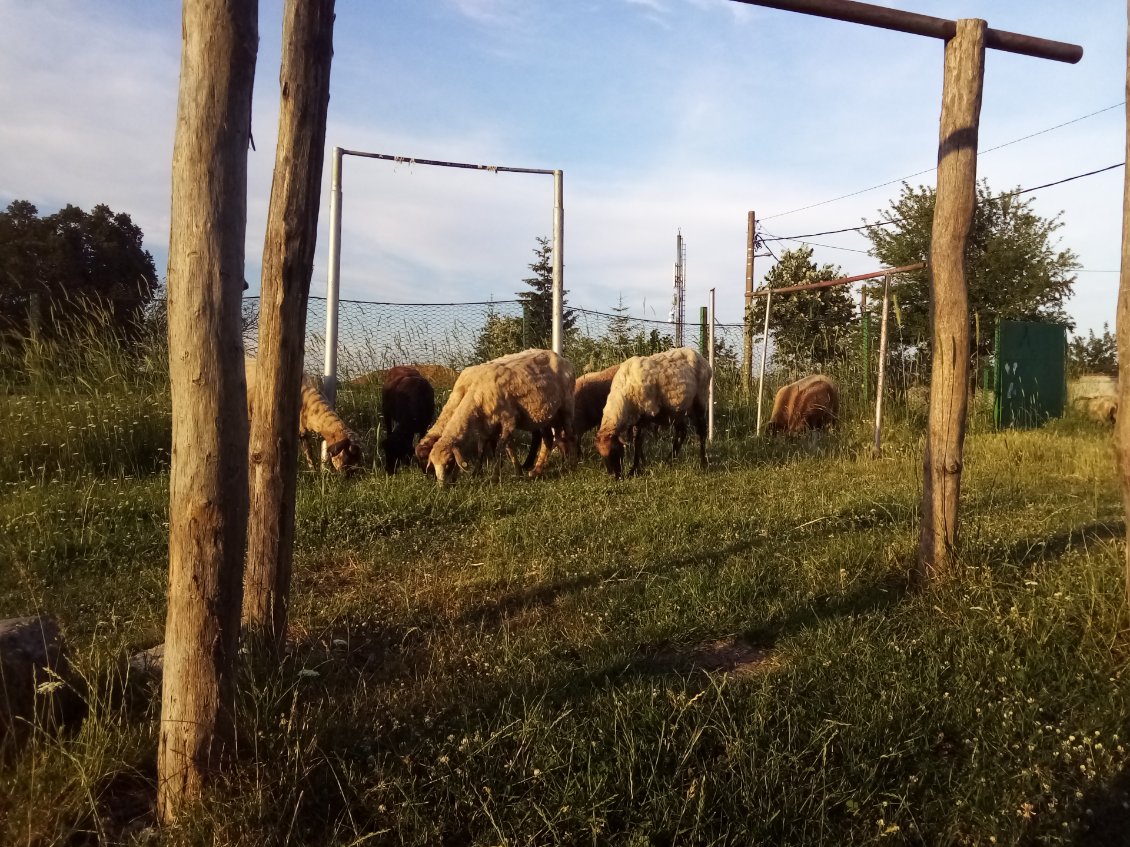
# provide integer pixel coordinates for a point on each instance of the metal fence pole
(880, 379)
(710, 358)
(558, 263)
(764, 356)
(329, 374)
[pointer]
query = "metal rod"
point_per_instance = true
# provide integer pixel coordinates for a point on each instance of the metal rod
(881, 378)
(865, 342)
(844, 280)
(558, 263)
(710, 359)
(916, 24)
(408, 160)
(747, 319)
(764, 356)
(329, 373)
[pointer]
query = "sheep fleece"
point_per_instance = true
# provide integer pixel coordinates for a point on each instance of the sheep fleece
(652, 386)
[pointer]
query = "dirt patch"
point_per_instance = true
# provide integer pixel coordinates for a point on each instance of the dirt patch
(725, 655)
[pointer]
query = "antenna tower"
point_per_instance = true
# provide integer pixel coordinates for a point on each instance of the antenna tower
(679, 296)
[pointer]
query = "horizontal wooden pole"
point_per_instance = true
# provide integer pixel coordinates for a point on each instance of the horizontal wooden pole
(844, 280)
(916, 24)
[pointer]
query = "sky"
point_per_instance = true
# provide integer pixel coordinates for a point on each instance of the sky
(664, 115)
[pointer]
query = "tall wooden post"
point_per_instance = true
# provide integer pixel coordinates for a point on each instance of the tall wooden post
(881, 377)
(949, 297)
(747, 329)
(1122, 328)
(288, 261)
(208, 478)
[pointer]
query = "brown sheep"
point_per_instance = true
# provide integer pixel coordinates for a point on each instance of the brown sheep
(589, 397)
(809, 403)
(316, 417)
(407, 408)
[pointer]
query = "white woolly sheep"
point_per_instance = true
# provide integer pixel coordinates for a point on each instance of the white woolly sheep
(663, 388)
(531, 390)
(317, 418)
(809, 403)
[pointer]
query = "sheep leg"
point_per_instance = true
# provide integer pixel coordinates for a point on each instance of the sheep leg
(308, 451)
(698, 412)
(678, 436)
(535, 451)
(545, 442)
(638, 456)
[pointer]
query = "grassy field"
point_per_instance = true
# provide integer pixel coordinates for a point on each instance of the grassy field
(719, 657)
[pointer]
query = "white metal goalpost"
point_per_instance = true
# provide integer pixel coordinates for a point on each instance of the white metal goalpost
(329, 375)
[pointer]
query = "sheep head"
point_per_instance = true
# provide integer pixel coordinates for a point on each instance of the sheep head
(446, 461)
(345, 455)
(610, 446)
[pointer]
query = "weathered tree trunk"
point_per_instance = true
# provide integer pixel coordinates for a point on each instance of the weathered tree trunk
(1122, 425)
(208, 479)
(288, 259)
(949, 297)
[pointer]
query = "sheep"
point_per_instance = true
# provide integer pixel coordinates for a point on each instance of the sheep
(663, 388)
(531, 390)
(809, 403)
(1103, 408)
(589, 397)
(316, 417)
(407, 408)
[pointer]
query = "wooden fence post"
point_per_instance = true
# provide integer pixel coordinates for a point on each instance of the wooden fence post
(208, 478)
(949, 297)
(1122, 329)
(288, 261)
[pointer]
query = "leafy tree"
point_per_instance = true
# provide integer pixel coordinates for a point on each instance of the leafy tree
(810, 329)
(500, 335)
(1014, 268)
(538, 303)
(56, 269)
(1096, 354)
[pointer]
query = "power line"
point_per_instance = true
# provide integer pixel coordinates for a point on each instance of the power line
(902, 220)
(930, 170)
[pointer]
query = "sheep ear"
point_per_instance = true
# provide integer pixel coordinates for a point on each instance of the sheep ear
(429, 468)
(337, 447)
(459, 458)
(620, 437)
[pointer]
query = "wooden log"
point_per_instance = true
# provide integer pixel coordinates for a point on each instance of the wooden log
(1122, 330)
(288, 262)
(208, 478)
(949, 297)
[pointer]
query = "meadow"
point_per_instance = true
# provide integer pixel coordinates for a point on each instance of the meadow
(723, 657)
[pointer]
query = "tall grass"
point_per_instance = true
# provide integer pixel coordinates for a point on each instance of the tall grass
(719, 657)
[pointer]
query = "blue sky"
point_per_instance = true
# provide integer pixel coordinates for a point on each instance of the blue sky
(663, 114)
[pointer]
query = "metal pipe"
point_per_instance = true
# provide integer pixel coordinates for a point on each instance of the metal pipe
(558, 263)
(710, 359)
(916, 24)
(764, 355)
(880, 379)
(408, 160)
(329, 373)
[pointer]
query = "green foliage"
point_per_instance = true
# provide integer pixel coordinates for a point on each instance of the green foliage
(1095, 354)
(500, 335)
(538, 304)
(1014, 268)
(810, 329)
(56, 268)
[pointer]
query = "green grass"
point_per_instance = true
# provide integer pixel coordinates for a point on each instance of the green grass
(512, 662)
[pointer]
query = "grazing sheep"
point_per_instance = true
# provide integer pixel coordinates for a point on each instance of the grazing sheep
(1103, 409)
(407, 407)
(531, 390)
(317, 418)
(589, 398)
(659, 389)
(809, 403)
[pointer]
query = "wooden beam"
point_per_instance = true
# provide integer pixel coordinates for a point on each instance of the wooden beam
(916, 24)
(844, 280)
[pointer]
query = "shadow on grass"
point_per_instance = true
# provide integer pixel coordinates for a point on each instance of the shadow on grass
(1055, 546)
(1109, 825)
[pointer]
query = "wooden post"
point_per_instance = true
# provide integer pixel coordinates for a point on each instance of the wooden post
(208, 478)
(288, 259)
(880, 380)
(710, 358)
(1122, 329)
(747, 329)
(865, 342)
(949, 297)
